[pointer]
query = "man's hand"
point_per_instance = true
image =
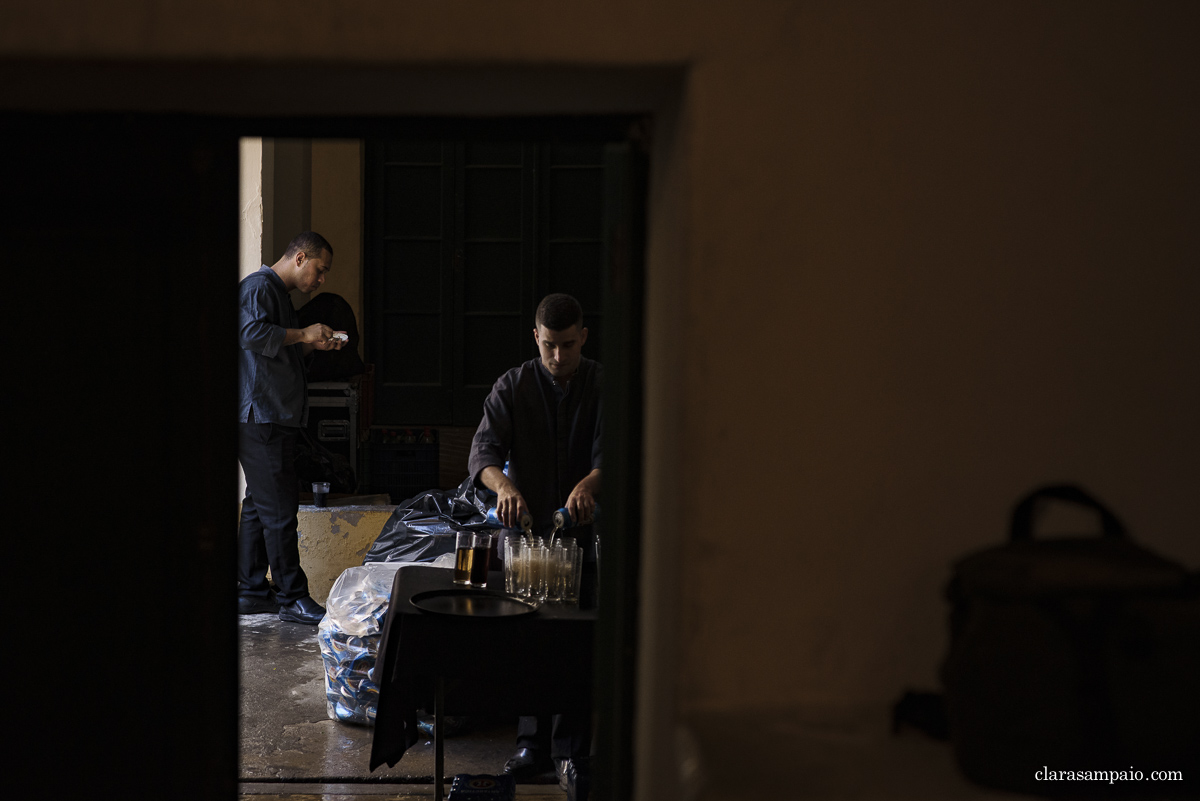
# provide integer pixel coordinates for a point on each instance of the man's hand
(509, 502)
(317, 336)
(581, 503)
(335, 342)
(321, 337)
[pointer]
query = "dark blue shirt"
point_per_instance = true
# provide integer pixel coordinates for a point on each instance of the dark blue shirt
(548, 433)
(270, 375)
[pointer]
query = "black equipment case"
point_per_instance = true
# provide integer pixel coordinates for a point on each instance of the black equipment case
(1079, 653)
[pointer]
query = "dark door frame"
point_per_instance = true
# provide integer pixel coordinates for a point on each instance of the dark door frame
(177, 572)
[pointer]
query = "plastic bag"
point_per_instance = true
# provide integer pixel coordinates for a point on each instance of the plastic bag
(349, 639)
(424, 527)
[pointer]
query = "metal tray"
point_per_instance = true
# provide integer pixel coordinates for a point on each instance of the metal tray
(471, 603)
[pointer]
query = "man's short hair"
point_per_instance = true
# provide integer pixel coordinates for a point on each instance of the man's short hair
(558, 312)
(310, 242)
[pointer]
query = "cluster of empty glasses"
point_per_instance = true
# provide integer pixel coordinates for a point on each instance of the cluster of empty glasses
(542, 572)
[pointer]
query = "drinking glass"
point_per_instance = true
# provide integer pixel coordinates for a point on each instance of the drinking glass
(508, 552)
(572, 571)
(520, 553)
(554, 573)
(463, 552)
(481, 557)
(539, 564)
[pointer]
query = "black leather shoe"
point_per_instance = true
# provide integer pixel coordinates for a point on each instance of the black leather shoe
(579, 779)
(525, 763)
(303, 610)
(255, 605)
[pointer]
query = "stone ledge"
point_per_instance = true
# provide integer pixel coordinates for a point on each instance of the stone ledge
(334, 538)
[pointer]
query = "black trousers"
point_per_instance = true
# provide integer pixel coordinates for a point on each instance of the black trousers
(267, 530)
(567, 736)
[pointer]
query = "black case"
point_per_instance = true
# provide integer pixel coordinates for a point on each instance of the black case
(1078, 653)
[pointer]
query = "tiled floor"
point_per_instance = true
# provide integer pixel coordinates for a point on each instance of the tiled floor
(290, 749)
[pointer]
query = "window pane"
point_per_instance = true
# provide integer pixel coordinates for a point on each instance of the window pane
(493, 153)
(412, 277)
(576, 203)
(493, 203)
(492, 276)
(412, 349)
(493, 346)
(414, 201)
(574, 268)
(575, 154)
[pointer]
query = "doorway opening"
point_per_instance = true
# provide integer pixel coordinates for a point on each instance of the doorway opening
(447, 232)
(121, 224)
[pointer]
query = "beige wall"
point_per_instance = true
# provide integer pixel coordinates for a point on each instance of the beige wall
(337, 215)
(251, 206)
(329, 174)
(287, 186)
(938, 257)
(250, 230)
(906, 262)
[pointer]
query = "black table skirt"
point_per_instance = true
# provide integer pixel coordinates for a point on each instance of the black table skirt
(534, 664)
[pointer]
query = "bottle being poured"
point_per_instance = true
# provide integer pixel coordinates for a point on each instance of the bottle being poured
(524, 521)
(564, 521)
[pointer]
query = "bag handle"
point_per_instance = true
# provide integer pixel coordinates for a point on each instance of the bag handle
(1022, 516)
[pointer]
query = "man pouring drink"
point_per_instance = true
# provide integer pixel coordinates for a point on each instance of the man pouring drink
(545, 419)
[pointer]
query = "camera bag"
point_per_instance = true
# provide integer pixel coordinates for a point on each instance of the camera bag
(1072, 653)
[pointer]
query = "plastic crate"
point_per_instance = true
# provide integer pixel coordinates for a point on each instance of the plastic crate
(404, 461)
